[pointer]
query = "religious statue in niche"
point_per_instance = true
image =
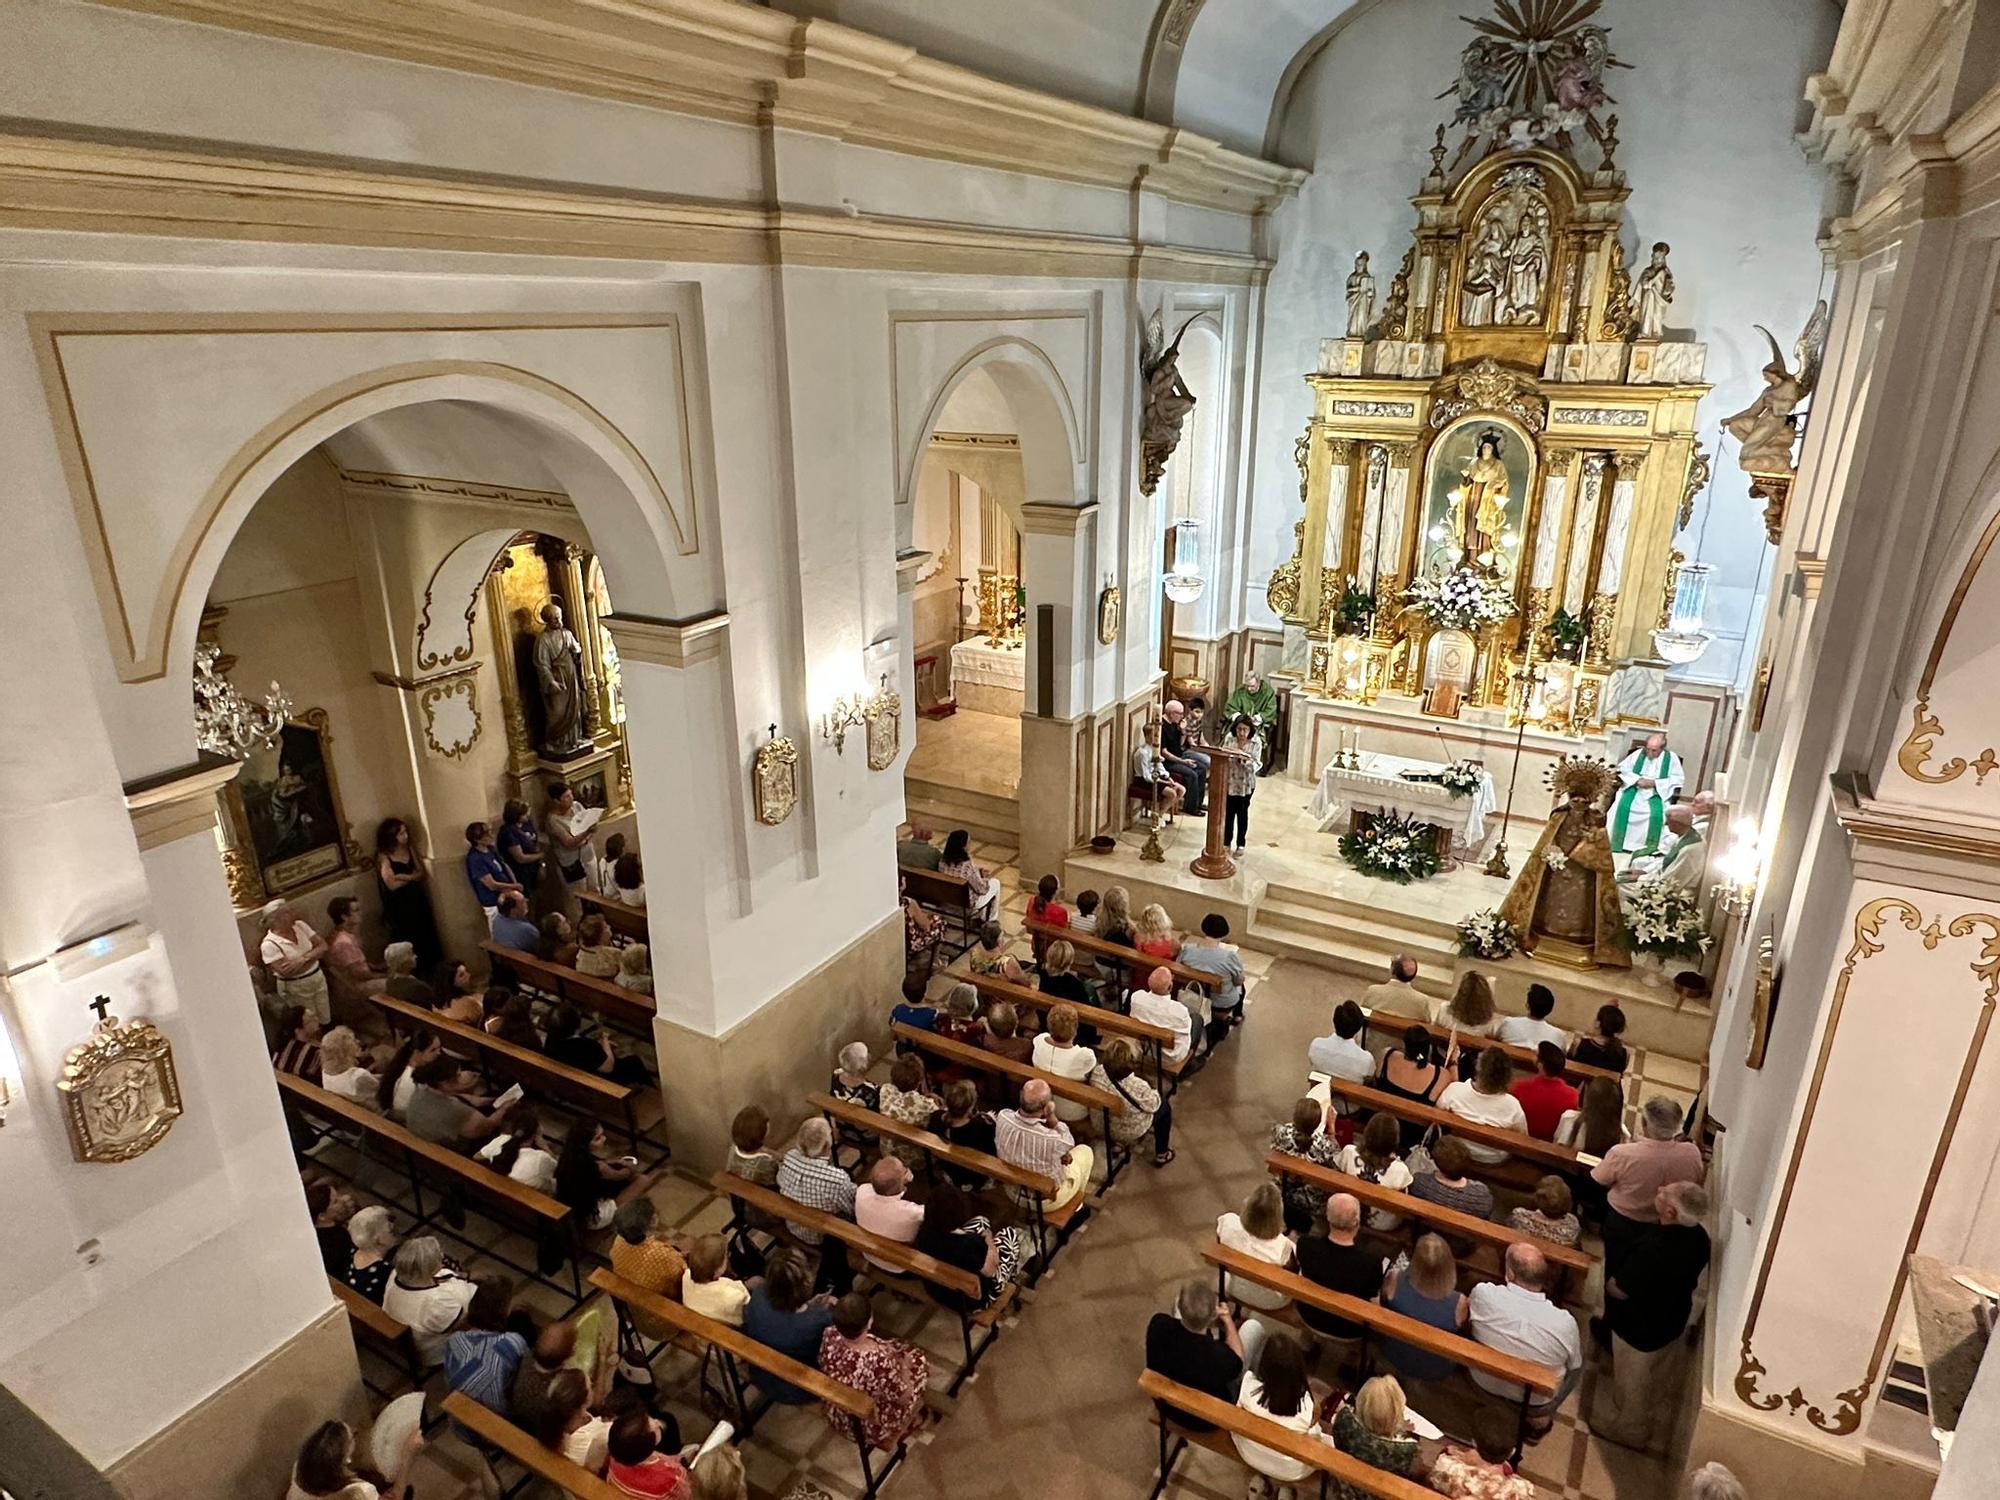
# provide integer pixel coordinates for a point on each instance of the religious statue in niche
(1656, 290)
(1478, 469)
(1167, 400)
(120, 1093)
(1483, 502)
(1507, 268)
(559, 676)
(1565, 900)
(1360, 298)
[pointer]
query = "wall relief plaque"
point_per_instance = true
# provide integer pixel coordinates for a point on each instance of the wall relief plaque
(120, 1094)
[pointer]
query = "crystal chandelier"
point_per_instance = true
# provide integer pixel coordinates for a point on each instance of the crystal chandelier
(1184, 582)
(224, 723)
(1682, 639)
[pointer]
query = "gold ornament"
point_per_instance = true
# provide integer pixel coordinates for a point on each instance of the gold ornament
(884, 714)
(774, 779)
(1110, 613)
(120, 1094)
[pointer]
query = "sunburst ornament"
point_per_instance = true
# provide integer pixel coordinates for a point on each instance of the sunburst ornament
(1534, 74)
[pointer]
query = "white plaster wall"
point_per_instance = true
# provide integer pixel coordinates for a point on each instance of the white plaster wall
(1706, 116)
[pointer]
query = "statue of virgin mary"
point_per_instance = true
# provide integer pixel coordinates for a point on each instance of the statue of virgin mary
(1483, 499)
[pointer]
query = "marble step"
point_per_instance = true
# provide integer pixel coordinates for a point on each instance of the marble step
(1376, 907)
(986, 817)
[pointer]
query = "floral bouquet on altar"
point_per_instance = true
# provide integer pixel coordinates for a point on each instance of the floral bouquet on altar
(1487, 934)
(1463, 599)
(1662, 917)
(1393, 847)
(1461, 779)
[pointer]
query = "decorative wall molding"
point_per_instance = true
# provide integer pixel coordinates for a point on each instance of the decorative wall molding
(178, 803)
(1040, 518)
(751, 65)
(142, 188)
(368, 481)
(668, 643)
(1596, 416)
(1403, 409)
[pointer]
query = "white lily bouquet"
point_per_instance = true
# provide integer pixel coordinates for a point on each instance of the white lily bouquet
(1487, 934)
(1393, 847)
(1663, 917)
(1461, 779)
(1463, 599)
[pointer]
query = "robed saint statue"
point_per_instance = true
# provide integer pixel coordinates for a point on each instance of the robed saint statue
(559, 675)
(1565, 900)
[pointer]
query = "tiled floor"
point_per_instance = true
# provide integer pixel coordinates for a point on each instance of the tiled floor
(978, 751)
(1052, 1412)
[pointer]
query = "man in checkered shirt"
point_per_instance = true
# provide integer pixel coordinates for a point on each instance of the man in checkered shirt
(809, 1175)
(1032, 1138)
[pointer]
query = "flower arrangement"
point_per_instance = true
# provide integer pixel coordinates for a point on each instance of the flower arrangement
(1663, 918)
(1463, 599)
(1393, 847)
(1567, 632)
(1461, 779)
(1487, 934)
(1353, 609)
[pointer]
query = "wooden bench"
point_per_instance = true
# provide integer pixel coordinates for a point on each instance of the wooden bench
(1154, 1041)
(1130, 957)
(1228, 1420)
(937, 1149)
(392, 1337)
(909, 1264)
(950, 896)
(623, 1008)
(641, 1110)
(1531, 1156)
(1574, 1265)
(627, 922)
(1524, 1058)
(735, 1345)
(541, 1215)
(1105, 1102)
(540, 1461)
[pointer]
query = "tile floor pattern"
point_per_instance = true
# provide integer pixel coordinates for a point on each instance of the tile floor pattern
(1052, 1411)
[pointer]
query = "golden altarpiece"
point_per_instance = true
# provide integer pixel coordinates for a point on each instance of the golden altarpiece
(1518, 413)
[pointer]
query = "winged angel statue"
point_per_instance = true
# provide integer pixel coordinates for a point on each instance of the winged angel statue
(1167, 399)
(1766, 429)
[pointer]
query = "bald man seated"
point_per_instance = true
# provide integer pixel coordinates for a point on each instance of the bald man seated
(1682, 854)
(1517, 1317)
(1032, 1138)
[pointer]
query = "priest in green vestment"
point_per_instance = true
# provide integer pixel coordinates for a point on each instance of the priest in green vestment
(1255, 700)
(1650, 778)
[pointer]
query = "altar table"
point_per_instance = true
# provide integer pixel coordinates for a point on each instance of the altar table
(1378, 787)
(988, 677)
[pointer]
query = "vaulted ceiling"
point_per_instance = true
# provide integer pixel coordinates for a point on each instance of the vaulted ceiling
(1220, 67)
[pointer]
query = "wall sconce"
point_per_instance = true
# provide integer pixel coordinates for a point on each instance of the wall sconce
(1741, 868)
(849, 711)
(1184, 582)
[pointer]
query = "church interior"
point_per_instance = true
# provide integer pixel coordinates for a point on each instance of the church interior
(1414, 911)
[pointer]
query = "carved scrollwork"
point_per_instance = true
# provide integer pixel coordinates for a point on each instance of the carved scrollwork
(1282, 592)
(1490, 386)
(1619, 317)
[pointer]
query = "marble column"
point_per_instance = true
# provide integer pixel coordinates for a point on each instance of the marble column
(1611, 563)
(1395, 506)
(1582, 532)
(1549, 521)
(1374, 483)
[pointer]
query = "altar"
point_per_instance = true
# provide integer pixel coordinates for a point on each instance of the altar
(1378, 785)
(989, 676)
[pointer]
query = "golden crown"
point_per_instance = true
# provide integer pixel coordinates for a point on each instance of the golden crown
(1583, 775)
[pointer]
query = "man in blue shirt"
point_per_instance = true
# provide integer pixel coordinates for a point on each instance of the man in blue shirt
(487, 871)
(511, 927)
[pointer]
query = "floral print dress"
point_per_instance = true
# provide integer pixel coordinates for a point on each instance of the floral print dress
(890, 1372)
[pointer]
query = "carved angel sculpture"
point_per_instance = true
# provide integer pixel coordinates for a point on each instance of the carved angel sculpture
(1766, 428)
(1167, 400)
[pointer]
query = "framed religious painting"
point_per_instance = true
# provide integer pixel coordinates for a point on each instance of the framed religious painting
(283, 816)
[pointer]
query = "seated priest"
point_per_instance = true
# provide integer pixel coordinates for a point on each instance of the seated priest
(1651, 777)
(1682, 855)
(1257, 701)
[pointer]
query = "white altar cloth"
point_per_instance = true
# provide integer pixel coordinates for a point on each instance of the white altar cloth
(1378, 787)
(983, 663)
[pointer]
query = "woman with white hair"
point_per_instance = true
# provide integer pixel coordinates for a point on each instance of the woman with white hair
(292, 953)
(399, 962)
(1633, 1173)
(425, 1295)
(340, 1070)
(635, 969)
(1713, 1481)
(372, 1231)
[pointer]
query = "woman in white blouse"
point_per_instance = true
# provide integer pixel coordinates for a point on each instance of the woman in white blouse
(340, 1070)
(522, 1152)
(957, 860)
(1487, 1100)
(1057, 1052)
(1470, 1010)
(1258, 1230)
(426, 1296)
(1274, 1386)
(1373, 1158)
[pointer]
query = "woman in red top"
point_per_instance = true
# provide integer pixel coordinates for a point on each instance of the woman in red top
(1155, 937)
(1046, 907)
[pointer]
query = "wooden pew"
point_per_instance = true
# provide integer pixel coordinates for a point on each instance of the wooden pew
(542, 1462)
(1229, 1419)
(391, 1337)
(909, 1262)
(541, 1215)
(1379, 1322)
(1523, 1058)
(628, 922)
(1532, 1157)
(640, 1109)
(1153, 1041)
(1132, 958)
(1106, 1102)
(735, 1345)
(1031, 1184)
(947, 895)
(1574, 1265)
(623, 1008)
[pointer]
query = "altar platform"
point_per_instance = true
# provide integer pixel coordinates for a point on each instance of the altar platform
(1294, 896)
